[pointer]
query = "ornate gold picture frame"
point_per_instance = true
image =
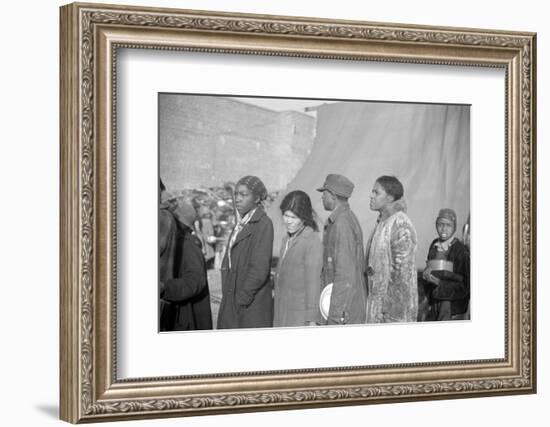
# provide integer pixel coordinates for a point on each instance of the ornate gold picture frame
(91, 36)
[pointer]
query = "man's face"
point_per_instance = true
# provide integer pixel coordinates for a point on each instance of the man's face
(445, 228)
(329, 200)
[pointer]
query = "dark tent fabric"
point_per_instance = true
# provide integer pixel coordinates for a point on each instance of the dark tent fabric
(426, 146)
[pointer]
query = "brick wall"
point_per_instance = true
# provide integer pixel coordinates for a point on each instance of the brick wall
(208, 140)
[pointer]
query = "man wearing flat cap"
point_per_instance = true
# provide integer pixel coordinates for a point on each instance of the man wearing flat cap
(343, 256)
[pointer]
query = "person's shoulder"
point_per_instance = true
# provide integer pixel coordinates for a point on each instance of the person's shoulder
(192, 239)
(166, 218)
(345, 216)
(401, 219)
(262, 217)
(459, 246)
(311, 236)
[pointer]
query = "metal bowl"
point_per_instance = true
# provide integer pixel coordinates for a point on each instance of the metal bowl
(324, 301)
(440, 265)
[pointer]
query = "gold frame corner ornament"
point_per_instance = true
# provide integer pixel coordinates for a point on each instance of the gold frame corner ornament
(90, 36)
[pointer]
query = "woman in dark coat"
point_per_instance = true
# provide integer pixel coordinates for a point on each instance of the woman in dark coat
(186, 294)
(247, 300)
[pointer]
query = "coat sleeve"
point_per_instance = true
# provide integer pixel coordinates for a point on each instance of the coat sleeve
(191, 278)
(457, 285)
(166, 229)
(344, 268)
(402, 294)
(313, 264)
(259, 263)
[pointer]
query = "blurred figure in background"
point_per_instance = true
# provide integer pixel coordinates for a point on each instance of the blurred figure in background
(208, 237)
(298, 279)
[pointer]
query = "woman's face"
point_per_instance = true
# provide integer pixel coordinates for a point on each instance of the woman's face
(379, 199)
(292, 222)
(445, 228)
(244, 199)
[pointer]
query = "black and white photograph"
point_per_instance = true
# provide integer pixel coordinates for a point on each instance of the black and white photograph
(262, 211)
(284, 212)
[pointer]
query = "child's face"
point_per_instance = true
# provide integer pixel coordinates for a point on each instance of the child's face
(445, 228)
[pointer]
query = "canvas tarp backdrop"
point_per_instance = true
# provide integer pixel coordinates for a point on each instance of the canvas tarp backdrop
(426, 146)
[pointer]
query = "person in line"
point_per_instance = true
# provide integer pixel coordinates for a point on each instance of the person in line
(391, 251)
(451, 290)
(186, 294)
(343, 256)
(298, 279)
(247, 300)
(167, 251)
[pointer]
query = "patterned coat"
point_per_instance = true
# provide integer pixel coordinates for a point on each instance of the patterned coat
(247, 300)
(298, 280)
(391, 270)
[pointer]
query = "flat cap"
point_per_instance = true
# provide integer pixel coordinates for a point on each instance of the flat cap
(338, 184)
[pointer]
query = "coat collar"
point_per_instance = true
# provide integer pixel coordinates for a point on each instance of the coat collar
(306, 231)
(344, 207)
(392, 208)
(247, 230)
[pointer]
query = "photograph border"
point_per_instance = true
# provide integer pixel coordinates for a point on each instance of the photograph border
(89, 38)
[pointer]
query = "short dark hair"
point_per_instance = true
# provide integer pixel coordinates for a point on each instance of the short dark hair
(299, 203)
(391, 186)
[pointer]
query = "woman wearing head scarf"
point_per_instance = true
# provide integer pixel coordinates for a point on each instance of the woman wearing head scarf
(391, 269)
(247, 300)
(298, 280)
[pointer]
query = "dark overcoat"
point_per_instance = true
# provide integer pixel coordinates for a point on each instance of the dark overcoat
(247, 299)
(187, 292)
(168, 233)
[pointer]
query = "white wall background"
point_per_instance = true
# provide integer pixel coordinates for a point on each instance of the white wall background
(29, 171)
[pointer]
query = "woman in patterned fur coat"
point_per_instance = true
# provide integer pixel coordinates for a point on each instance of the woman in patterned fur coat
(391, 251)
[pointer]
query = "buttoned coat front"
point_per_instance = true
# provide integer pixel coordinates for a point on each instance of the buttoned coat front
(298, 280)
(343, 265)
(247, 300)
